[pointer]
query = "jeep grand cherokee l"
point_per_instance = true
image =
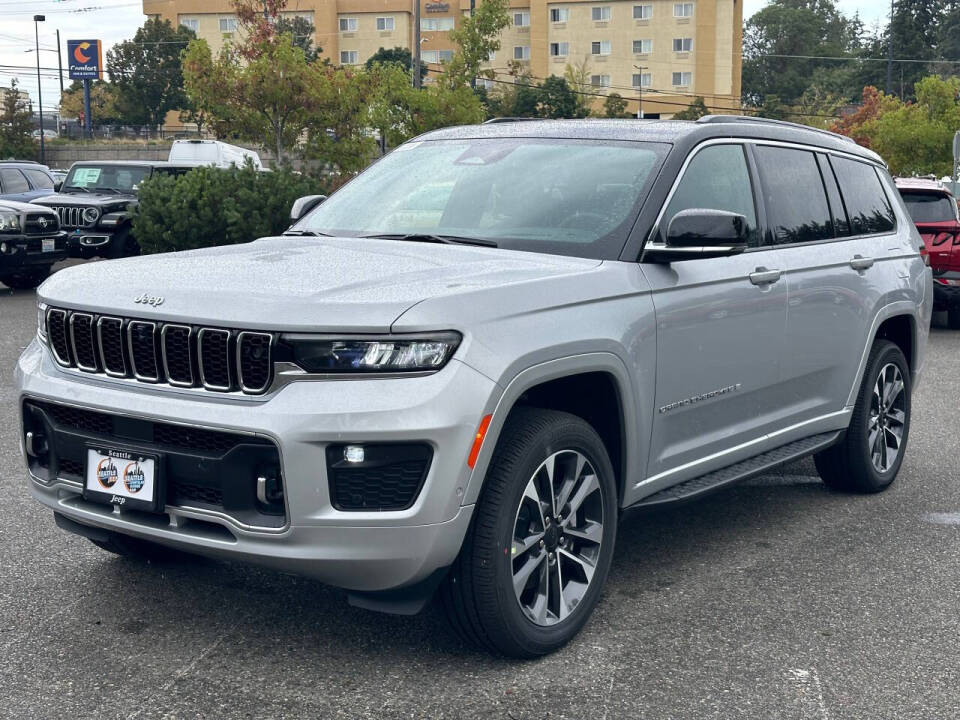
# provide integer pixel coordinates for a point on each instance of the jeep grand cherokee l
(404, 397)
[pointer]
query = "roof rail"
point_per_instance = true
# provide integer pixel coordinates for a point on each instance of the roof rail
(20, 162)
(711, 119)
(494, 121)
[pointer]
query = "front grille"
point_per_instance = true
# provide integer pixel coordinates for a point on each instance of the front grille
(179, 355)
(70, 216)
(183, 493)
(389, 477)
(41, 224)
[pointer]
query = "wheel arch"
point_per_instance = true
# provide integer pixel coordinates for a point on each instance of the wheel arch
(601, 372)
(897, 322)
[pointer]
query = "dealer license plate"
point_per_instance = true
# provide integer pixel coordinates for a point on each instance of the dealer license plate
(123, 478)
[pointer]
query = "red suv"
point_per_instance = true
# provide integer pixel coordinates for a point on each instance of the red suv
(934, 210)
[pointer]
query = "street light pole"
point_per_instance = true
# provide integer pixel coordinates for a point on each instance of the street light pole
(416, 44)
(37, 19)
(59, 62)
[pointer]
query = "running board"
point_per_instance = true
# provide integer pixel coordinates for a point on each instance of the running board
(757, 465)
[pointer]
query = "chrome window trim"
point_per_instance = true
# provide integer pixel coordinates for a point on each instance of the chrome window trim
(270, 341)
(200, 354)
(133, 361)
(73, 341)
(123, 356)
(190, 354)
(53, 346)
(649, 243)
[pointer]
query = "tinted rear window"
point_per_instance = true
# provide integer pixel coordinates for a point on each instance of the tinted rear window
(794, 194)
(40, 180)
(930, 207)
(867, 205)
(13, 181)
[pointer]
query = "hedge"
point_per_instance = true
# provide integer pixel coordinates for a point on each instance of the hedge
(209, 206)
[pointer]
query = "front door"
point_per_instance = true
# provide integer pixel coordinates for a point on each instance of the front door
(720, 333)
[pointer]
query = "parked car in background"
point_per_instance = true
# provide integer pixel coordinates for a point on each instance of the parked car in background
(212, 152)
(96, 202)
(30, 243)
(24, 180)
(59, 175)
(934, 210)
(400, 399)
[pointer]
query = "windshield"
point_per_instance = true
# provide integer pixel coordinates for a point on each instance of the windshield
(930, 207)
(567, 197)
(106, 178)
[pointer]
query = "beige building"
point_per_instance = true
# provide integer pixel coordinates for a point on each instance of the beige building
(660, 54)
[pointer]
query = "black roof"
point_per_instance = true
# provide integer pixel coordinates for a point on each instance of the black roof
(666, 131)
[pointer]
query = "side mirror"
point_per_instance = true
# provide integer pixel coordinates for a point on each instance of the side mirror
(700, 233)
(57, 185)
(301, 206)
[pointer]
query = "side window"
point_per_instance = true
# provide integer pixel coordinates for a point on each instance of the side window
(840, 221)
(867, 204)
(716, 179)
(39, 180)
(13, 181)
(796, 202)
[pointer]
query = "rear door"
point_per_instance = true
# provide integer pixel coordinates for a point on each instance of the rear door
(835, 245)
(14, 185)
(720, 331)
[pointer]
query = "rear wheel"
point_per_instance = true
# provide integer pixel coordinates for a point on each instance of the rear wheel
(26, 279)
(870, 455)
(541, 541)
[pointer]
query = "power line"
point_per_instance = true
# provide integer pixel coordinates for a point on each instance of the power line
(848, 58)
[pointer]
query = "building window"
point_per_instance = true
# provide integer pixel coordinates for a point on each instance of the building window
(682, 79)
(600, 14)
(559, 49)
(492, 56)
(191, 23)
(348, 24)
(486, 83)
(642, 47)
(642, 12)
(642, 80)
(435, 57)
(349, 57)
(521, 19)
(521, 52)
(600, 47)
(600, 80)
(559, 15)
(436, 24)
(385, 23)
(682, 10)
(682, 44)
(228, 25)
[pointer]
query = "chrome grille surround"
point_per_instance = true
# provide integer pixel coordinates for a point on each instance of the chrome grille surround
(161, 353)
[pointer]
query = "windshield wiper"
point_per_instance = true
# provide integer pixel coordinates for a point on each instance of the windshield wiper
(311, 233)
(432, 238)
(116, 191)
(68, 188)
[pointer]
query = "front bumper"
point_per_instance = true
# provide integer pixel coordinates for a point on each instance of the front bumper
(88, 242)
(25, 252)
(356, 550)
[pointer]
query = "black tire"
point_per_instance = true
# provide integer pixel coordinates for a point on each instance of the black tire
(136, 549)
(478, 594)
(849, 465)
(953, 318)
(26, 279)
(122, 245)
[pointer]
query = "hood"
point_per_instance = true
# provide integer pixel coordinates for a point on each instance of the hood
(19, 207)
(286, 283)
(84, 199)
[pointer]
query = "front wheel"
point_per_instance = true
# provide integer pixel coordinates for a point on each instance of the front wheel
(541, 541)
(869, 457)
(26, 279)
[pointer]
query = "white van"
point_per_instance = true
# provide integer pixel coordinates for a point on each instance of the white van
(211, 152)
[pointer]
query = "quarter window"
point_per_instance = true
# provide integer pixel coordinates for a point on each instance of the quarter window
(867, 204)
(716, 179)
(793, 192)
(13, 181)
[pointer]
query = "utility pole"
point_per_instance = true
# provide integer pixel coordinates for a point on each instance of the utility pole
(473, 6)
(641, 68)
(37, 19)
(890, 51)
(59, 62)
(416, 44)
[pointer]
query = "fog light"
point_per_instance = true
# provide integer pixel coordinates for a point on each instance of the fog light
(353, 453)
(3, 248)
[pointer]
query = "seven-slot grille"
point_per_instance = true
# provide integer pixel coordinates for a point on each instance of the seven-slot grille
(70, 216)
(179, 355)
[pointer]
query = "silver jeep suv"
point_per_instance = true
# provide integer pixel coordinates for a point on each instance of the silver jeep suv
(452, 376)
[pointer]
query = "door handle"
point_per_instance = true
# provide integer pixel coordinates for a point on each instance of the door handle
(762, 276)
(861, 263)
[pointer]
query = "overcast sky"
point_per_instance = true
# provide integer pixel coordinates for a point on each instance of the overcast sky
(116, 20)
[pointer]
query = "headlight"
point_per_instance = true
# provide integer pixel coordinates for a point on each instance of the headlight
(91, 215)
(391, 354)
(9, 221)
(42, 322)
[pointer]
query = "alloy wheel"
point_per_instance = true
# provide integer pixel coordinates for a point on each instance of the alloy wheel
(888, 417)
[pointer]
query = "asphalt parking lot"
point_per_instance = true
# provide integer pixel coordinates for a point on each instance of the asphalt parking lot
(775, 599)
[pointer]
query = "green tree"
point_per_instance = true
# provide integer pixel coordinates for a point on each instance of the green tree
(614, 106)
(915, 33)
(696, 110)
(146, 72)
(16, 124)
(398, 55)
(476, 38)
(556, 99)
(103, 102)
(301, 31)
(577, 76)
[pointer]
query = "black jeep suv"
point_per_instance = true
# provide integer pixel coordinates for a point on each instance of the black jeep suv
(96, 204)
(30, 243)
